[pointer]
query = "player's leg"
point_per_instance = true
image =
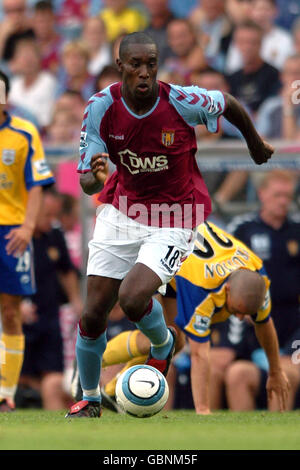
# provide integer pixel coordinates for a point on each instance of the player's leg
(242, 382)
(102, 295)
(136, 296)
(12, 346)
(109, 389)
(16, 280)
(132, 344)
(124, 347)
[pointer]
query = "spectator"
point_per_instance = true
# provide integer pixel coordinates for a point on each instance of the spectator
(14, 26)
(288, 12)
(159, 17)
(74, 74)
(296, 35)
(63, 129)
(72, 101)
(256, 80)
(275, 237)
(69, 218)
(110, 74)
(224, 186)
(43, 362)
(32, 87)
(119, 18)
(182, 9)
(279, 116)
(277, 43)
(238, 11)
(70, 15)
(214, 29)
(94, 36)
(188, 55)
(47, 38)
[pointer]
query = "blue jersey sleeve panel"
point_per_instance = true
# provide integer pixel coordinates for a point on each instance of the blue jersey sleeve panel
(90, 139)
(189, 296)
(198, 105)
(28, 174)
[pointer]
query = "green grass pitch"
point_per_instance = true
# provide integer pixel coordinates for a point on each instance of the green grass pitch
(180, 430)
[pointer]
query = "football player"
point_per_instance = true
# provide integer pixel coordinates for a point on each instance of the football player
(23, 172)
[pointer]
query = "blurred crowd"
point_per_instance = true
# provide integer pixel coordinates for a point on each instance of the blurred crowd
(58, 53)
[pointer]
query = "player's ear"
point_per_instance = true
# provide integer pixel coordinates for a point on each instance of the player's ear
(119, 64)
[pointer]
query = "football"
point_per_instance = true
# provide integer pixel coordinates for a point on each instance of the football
(142, 391)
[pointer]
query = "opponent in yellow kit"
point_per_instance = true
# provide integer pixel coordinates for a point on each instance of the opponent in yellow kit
(201, 283)
(23, 172)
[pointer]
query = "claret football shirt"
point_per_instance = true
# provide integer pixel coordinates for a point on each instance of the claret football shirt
(154, 153)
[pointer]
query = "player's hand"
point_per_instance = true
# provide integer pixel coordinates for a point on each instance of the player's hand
(278, 385)
(99, 166)
(19, 238)
(28, 312)
(262, 153)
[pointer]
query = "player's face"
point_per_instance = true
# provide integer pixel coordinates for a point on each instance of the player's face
(276, 198)
(236, 306)
(139, 70)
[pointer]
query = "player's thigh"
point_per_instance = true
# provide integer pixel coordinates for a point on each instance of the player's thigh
(244, 373)
(165, 250)
(114, 246)
(221, 357)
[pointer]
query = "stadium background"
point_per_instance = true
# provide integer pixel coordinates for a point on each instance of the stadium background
(52, 76)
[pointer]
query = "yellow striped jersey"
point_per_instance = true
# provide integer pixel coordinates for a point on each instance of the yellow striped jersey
(22, 166)
(200, 282)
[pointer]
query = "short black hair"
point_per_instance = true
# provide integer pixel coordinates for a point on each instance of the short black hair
(4, 78)
(135, 38)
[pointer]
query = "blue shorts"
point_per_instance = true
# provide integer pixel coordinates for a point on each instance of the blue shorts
(16, 273)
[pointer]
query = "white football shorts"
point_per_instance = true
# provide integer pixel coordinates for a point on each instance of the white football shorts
(119, 243)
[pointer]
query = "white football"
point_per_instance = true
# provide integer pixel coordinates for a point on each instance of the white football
(142, 391)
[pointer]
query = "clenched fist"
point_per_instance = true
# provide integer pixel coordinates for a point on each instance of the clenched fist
(99, 166)
(262, 153)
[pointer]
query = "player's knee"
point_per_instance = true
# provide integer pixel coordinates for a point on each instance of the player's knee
(10, 313)
(134, 306)
(93, 322)
(241, 372)
(292, 371)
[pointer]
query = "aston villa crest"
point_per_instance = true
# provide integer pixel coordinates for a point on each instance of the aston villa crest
(167, 137)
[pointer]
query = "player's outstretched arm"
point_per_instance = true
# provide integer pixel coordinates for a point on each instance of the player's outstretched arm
(200, 373)
(93, 181)
(277, 383)
(236, 114)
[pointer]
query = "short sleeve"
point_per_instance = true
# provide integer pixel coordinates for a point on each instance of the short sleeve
(264, 312)
(198, 105)
(90, 138)
(37, 170)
